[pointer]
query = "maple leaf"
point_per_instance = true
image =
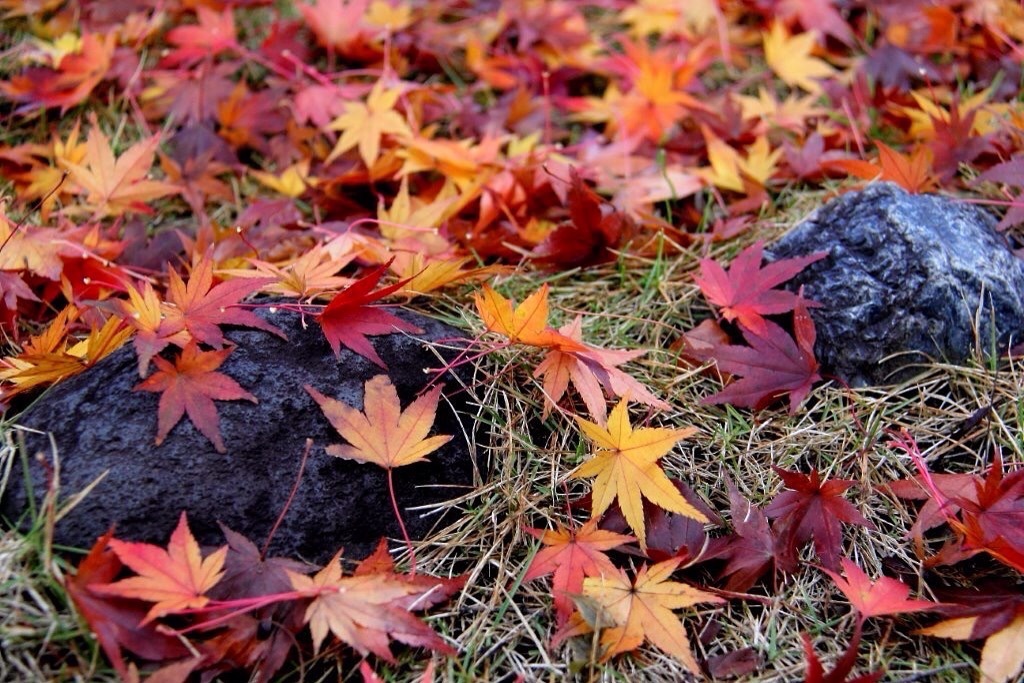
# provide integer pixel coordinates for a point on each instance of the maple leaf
(571, 555)
(991, 613)
(117, 186)
(214, 33)
(527, 324)
(30, 248)
(878, 598)
(753, 548)
(913, 173)
(382, 433)
(143, 311)
(625, 462)
(771, 366)
(746, 292)
(116, 621)
(366, 124)
(814, 508)
(190, 385)
(841, 672)
(590, 235)
(790, 58)
(173, 579)
(71, 80)
(589, 369)
(630, 612)
(311, 273)
(349, 318)
(367, 610)
(200, 307)
(336, 23)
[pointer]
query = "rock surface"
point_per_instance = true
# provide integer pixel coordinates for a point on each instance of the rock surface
(99, 424)
(921, 276)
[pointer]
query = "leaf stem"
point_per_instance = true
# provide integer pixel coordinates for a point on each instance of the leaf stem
(401, 524)
(287, 503)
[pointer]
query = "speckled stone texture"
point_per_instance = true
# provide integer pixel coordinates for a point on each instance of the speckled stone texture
(100, 424)
(920, 276)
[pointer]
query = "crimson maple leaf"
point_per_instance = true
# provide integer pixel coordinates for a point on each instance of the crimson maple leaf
(844, 665)
(747, 291)
(190, 385)
(753, 548)
(813, 508)
(878, 598)
(201, 308)
(590, 235)
(571, 555)
(349, 318)
(773, 364)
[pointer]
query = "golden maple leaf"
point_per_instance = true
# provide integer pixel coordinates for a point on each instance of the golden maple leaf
(625, 463)
(365, 124)
(383, 433)
(790, 58)
(631, 612)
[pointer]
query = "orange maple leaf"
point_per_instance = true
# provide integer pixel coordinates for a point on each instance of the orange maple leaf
(527, 324)
(878, 598)
(112, 186)
(588, 369)
(571, 555)
(365, 125)
(368, 609)
(382, 433)
(629, 612)
(913, 173)
(191, 385)
(625, 463)
(174, 579)
(200, 307)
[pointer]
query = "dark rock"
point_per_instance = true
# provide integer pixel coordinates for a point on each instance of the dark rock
(921, 276)
(99, 424)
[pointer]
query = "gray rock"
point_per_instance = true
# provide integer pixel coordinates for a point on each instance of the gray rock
(99, 424)
(921, 276)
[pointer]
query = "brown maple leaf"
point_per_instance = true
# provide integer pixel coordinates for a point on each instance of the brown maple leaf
(190, 385)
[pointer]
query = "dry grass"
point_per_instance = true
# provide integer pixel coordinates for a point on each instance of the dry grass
(502, 627)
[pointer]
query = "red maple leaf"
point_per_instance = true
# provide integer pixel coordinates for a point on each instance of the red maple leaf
(772, 365)
(813, 508)
(571, 555)
(191, 385)
(201, 308)
(878, 598)
(349, 318)
(844, 665)
(589, 236)
(747, 291)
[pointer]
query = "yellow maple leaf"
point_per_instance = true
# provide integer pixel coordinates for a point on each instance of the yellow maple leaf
(631, 612)
(115, 186)
(365, 124)
(761, 160)
(791, 60)
(1002, 657)
(625, 462)
(291, 182)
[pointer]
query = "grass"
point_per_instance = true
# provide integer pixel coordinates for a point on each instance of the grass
(502, 626)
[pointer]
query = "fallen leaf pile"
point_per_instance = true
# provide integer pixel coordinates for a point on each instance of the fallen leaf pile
(165, 161)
